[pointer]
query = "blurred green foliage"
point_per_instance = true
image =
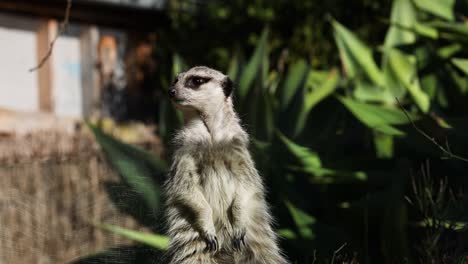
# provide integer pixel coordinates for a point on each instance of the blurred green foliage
(299, 29)
(336, 149)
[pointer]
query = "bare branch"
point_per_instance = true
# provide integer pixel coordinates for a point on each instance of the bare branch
(63, 28)
(336, 252)
(446, 151)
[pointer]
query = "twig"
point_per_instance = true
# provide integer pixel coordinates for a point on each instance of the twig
(336, 252)
(63, 29)
(315, 256)
(446, 151)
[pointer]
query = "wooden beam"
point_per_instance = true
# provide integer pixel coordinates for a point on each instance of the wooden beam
(100, 13)
(89, 39)
(46, 33)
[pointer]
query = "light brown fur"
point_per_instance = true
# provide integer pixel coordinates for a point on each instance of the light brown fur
(215, 199)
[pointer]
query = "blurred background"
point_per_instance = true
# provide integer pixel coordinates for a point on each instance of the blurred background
(357, 111)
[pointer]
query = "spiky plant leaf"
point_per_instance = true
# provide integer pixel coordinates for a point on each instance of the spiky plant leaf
(440, 8)
(139, 168)
(302, 220)
(319, 85)
(153, 240)
(253, 67)
(355, 55)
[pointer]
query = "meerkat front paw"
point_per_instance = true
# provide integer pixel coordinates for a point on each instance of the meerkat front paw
(238, 239)
(212, 244)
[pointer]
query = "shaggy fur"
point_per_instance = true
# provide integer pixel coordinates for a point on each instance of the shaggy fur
(215, 199)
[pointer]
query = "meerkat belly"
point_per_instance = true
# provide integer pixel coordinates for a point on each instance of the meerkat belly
(219, 188)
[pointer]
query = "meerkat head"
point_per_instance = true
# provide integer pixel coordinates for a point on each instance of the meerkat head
(201, 88)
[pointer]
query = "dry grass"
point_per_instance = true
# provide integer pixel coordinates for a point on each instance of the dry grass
(51, 188)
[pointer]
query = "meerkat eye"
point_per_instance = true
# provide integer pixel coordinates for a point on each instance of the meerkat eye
(196, 81)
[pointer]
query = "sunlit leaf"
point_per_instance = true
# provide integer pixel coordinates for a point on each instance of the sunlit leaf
(312, 165)
(403, 68)
(253, 68)
(403, 17)
(319, 175)
(234, 67)
(178, 65)
(376, 117)
(405, 26)
(447, 224)
(448, 51)
(287, 233)
(452, 30)
(154, 240)
(369, 92)
(302, 220)
(318, 87)
(305, 156)
(355, 55)
(440, 8)
(461, 64)
(295, 78)
(425, 30)
(441, 122)
(383, 145)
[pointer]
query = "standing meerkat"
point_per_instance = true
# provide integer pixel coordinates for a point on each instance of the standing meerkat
(215, 198)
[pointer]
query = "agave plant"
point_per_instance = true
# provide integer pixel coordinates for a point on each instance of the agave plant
(324, 140)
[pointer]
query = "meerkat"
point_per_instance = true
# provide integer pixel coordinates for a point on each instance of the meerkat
(216, 210)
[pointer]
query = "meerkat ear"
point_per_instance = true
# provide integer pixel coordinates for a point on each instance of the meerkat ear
(228, 86)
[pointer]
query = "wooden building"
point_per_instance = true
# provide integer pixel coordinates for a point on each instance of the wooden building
(69, 82)
(53, 179)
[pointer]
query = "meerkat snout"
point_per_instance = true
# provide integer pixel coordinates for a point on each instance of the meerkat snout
(172, 93)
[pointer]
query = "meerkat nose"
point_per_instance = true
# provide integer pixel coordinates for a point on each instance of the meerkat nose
(172, 92)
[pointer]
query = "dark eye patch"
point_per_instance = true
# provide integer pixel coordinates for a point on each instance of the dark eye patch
(195, 81)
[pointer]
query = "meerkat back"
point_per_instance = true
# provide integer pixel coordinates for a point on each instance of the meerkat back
(215, 200)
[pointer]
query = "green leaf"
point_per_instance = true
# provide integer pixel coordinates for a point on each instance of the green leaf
(440, 8)
(425, 30)
(376, 117)
(448, 51)
(294, 79)
(234, 66)
(319, 86)
(403, 17)
(404, 71)
(312, 165)
(441, 122)
(304, 155)
(355, 55)
(329, 176)
(253, 68)
(153, 240)
(452, 30)
(368, 92)
(383, 145)
(447, 224)
(461, 64)
(302, 221)
(178, 65)
(138, 167)
(287, 233)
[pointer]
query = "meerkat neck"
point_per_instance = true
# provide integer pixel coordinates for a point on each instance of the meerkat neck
(221, 122)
